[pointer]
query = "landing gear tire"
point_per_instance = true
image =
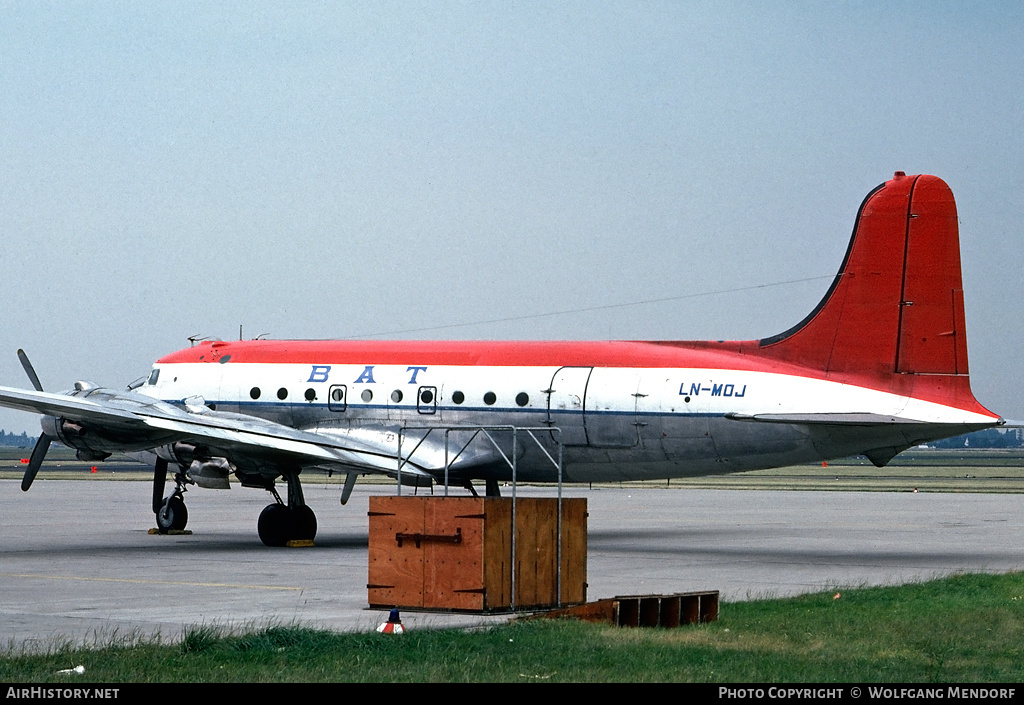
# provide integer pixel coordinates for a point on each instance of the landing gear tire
(280, 524)
(275, 525)
(304, 527)
(172, 515)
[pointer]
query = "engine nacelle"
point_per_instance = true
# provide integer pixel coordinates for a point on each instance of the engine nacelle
(211, 474)
(69, 433)
(91, 456)
(94, 444)
(184, 454)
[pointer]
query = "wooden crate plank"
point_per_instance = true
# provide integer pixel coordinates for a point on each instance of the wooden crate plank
(395, 573)
(453, 572)
(498, 553)
(546, 542)
(526, 554)
(574, 551)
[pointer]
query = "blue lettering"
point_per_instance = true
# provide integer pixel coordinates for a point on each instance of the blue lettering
(415, 371)
(367, 376)
(319, 373)
(717, 390)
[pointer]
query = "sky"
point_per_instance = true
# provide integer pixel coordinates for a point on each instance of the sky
(484, 170)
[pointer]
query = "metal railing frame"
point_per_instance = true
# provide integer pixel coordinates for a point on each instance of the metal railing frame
(511, 462)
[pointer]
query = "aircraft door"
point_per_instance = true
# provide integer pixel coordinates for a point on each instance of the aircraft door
(611, 408)
(566, 396)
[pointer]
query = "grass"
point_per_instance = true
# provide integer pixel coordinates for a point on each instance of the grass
(968, 628)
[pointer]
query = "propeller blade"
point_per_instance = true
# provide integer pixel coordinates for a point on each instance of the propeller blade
(31, 372)
(34, 463)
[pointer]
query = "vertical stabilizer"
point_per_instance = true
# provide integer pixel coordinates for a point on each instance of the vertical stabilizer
(932, 339)
(893, 318)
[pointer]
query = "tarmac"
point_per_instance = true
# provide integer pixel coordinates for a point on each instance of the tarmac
(78, 564)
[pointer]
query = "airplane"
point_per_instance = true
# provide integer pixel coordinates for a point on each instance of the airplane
(879, 365)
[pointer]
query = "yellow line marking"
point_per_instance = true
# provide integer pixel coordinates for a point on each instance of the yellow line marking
(42, 576)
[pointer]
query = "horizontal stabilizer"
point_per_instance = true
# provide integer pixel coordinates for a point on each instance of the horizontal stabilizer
(850, 419)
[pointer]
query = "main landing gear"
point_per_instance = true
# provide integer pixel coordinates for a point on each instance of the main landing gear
(171, 513)
(280, 523)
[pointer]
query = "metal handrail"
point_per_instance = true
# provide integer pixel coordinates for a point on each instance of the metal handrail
(512, 463)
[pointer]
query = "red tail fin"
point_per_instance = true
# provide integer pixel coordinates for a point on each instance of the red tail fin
(893, 318)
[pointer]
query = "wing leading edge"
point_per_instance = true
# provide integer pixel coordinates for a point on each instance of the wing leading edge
(103, 421)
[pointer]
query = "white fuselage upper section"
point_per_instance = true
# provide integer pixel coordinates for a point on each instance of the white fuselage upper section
(615, 422)
(670, 392)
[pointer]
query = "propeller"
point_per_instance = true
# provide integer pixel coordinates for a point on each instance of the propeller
(43, 444)
(29, 370)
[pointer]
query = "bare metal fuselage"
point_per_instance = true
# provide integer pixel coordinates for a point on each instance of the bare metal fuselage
(613, 423)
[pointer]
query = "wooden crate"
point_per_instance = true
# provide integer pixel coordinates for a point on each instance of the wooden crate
(673, 610)
(455, 553)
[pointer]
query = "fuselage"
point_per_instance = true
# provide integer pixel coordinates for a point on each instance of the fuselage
(622, 410)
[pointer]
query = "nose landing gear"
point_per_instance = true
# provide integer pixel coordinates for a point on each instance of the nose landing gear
(171, 513)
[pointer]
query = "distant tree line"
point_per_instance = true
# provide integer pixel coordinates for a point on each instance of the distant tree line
(11, 439)
(989, 438)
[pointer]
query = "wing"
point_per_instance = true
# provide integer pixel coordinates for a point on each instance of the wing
(104, 421)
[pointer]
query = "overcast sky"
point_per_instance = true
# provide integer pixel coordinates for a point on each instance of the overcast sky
(463, 170)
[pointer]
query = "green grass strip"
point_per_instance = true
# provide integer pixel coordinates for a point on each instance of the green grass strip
(965, 629)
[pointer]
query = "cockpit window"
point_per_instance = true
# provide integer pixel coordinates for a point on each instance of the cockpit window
(154, 376)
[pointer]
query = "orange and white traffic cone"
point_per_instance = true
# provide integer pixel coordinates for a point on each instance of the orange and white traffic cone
(393, 625)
